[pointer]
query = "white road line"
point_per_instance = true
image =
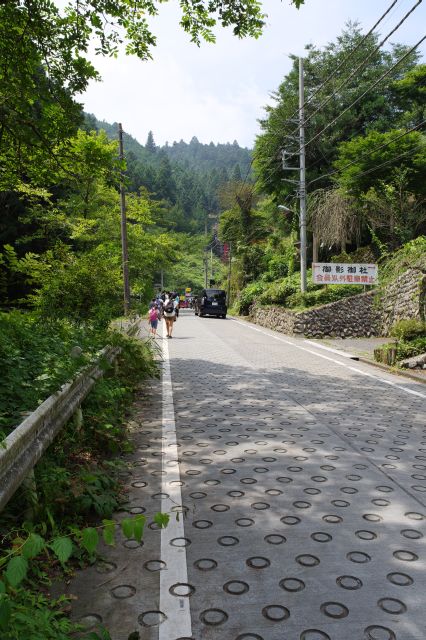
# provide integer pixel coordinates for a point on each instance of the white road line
(341, 364)
(343, 354)
(178, 616)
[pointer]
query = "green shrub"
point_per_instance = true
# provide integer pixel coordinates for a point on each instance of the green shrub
(247, 296)
(410, 349)
(325, 295)
(366, 254)
(86, 287)
(35, 359)
(287, 293)
(76, 484)
(406, 330)
(277, 268)
(411, 256)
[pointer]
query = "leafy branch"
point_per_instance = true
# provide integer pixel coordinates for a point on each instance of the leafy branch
(16, 562)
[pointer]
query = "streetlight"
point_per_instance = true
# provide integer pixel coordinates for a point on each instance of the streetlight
(285, 209)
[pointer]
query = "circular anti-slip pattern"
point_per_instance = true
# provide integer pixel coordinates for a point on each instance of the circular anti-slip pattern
(270, 483)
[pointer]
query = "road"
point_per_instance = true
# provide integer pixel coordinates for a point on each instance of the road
(302, 477)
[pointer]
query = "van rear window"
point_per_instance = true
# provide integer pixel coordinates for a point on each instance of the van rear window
(215, 294)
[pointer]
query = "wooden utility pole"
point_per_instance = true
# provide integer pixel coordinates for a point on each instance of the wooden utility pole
(229, 272)
(205, 269)
(302, 185)
(124, 248)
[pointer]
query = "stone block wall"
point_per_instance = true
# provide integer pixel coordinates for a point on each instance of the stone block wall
(276, 318)
(363, 315)
(404, 299)
(354, 316)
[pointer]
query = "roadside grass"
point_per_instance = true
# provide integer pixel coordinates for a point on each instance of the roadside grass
(52, 527)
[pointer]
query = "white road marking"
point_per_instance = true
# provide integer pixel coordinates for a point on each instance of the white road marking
(178, 616)
(343, 354)
(341, 364)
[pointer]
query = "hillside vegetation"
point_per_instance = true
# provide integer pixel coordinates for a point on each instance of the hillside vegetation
(366, 162)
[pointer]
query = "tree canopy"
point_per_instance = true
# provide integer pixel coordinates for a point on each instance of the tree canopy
(44, 65)
(332, 85)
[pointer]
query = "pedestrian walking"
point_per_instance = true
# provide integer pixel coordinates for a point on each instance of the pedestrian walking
(153, 320)
(176, 303)
(160, 305)
(169, 314)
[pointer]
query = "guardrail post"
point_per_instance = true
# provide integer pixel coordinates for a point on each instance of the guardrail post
(29, 486)
(78, 419)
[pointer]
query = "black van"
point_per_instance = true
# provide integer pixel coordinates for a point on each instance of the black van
(211, 302)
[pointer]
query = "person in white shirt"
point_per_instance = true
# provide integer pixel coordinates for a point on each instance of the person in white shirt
(169, 314)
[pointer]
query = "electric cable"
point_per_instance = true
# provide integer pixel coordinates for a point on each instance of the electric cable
(347, 58)
(360, 66)
(384, 75)
(391, 160)
(368, 154)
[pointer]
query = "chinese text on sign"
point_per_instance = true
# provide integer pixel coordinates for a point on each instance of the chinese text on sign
(331, 273)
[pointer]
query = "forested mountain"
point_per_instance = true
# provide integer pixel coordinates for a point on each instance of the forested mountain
(186, 177)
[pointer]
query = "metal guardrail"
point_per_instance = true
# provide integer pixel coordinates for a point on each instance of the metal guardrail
(26, 444)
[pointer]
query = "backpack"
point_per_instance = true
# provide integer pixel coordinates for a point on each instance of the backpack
(153, 314)
(169, 308)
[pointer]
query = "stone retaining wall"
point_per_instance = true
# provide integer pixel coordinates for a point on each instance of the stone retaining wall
(363, 315)
(404, 299)
(354, 316)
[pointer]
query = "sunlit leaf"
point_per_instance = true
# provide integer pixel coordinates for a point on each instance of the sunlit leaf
(128, 527)
(90, 539)
(138, 527)
(162, 519)
(109, 532)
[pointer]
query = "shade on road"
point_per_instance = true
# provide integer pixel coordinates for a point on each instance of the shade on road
(302, 479)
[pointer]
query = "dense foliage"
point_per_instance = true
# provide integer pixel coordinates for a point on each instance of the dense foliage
(365, 159)
(183, 178)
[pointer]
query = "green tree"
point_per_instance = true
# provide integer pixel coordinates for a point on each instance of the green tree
(165, 184)
(410, 94)
(44, 67)
(378, 109)
(243, 225)
(150, 144)
(366, 161)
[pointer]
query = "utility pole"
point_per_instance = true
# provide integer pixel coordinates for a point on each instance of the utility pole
(229, 272)
(211, 262)
(205, 270)
(302, 184)
(124, 248)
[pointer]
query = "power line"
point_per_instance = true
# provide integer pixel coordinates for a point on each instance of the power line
(347, 58)
(383, 164)
(384, 75)
(360, 66)
(367, 155)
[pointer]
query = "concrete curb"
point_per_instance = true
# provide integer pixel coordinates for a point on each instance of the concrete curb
(397, 372)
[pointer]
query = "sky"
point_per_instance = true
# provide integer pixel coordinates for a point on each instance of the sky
(217, 92)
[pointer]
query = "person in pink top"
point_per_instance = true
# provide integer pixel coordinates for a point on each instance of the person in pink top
(153, 320)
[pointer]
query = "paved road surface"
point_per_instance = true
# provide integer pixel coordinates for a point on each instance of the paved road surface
(303, 480)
